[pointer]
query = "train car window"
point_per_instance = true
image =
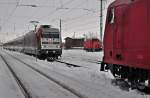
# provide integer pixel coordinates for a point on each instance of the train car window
(55, 42)
(45, 26)
(111, 16)
(51, 35)
(44, 42)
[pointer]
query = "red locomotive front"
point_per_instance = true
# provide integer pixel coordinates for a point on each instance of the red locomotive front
(126, 39)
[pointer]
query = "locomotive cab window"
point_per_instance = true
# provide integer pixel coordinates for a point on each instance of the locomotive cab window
(111, 16)
(51, 35)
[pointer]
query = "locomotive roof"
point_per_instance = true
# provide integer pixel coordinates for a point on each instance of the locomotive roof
(120, 2)
(11, 41)
(47, 28)
(51, 30)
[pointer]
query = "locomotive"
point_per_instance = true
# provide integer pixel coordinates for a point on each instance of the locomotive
(93, 44)
(126, 41)
(45, 43)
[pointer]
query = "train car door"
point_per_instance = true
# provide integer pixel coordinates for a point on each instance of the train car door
(118, 31)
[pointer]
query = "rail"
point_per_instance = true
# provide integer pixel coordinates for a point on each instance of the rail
(19, 82)
(71, 90)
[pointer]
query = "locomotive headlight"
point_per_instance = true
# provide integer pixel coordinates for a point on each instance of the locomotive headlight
(58, 46)
(43, 46)
(54, 51)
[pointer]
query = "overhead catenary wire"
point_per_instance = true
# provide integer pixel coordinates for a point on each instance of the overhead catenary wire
(77, 18)
(86, 25)
(58, 9)
(71, 9)
(13, 11)
(82, 27)
(7, 3)
(83, 24)
(54, 11)
(39, 8)
(68, 16)
(94, 14)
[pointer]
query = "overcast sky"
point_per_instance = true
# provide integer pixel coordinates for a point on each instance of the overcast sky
(79, 16)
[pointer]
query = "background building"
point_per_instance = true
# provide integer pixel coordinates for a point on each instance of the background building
(73, 42)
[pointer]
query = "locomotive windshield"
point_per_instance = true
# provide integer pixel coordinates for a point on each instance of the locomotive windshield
(51, 35)
(111, 16)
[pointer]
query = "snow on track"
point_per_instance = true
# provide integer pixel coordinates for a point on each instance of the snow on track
(8, 86)
(89, 82)
(37, 85)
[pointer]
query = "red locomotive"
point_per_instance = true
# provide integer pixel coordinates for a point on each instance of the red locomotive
(126, 41)
(93, 44)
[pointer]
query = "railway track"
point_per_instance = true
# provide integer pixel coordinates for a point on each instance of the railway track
(126, 86)
(75, 92)
(87, 60)
(66, 87)
(75, 65)
(68, 64)
(19, 82)
(64, 62)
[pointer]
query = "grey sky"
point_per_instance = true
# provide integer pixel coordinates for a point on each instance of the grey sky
(80, 16)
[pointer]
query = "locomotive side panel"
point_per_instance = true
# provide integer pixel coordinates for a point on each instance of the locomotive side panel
(127, 34)
(137, 46)
(108, 37)
(30, 43)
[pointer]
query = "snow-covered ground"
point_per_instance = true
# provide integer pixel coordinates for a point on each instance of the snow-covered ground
(87, 80)
(82, 58)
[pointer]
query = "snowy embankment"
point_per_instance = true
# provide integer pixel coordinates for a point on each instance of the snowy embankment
(87, 80)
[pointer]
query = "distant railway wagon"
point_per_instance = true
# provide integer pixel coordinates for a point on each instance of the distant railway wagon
(45, 43)
(127, 41)
(93, 44)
